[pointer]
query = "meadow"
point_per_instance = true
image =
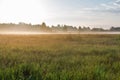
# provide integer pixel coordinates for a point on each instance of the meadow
(60, 57)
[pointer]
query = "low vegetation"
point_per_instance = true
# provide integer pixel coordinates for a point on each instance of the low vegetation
(60, 57)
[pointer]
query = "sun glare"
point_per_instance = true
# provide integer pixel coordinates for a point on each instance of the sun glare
(23, 10)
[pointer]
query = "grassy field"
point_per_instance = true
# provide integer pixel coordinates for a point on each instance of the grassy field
(60, 57)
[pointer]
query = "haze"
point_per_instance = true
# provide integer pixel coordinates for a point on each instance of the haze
(104, 13)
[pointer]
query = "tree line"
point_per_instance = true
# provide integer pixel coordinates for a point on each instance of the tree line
(59, 28)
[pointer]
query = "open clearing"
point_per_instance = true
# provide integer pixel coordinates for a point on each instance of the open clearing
(60, 57)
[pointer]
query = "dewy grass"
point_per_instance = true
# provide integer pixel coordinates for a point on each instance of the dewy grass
(59, 57)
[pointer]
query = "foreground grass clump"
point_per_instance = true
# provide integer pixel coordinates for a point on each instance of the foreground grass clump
(59, 57)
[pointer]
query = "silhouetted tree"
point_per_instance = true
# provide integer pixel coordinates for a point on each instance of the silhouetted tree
(97, 29)
(58, 25)
(115, 28)
(79, 28)
(43, 25)
(65, 28)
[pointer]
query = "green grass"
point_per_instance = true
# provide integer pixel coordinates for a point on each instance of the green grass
(60, 57)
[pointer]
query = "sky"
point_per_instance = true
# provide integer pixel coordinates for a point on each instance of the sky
(102, 13)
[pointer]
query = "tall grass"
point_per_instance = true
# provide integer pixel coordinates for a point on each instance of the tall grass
(59, 57)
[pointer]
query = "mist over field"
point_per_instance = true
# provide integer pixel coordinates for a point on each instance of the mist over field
(59, 39)
(24, 28)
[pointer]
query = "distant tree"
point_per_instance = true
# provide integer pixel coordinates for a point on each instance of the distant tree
(115, 29)
(52, 26)
(43, 25)
(84, 28)
(22, 23)
(75, 28)
(65, 28)
(97, 29)
(112, 28)
(88, 28)
(79, 28)
(58, 25)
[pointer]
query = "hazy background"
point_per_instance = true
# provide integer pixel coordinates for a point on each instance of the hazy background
(104, 13)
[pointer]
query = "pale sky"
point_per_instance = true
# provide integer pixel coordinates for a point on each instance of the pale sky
(73, 12)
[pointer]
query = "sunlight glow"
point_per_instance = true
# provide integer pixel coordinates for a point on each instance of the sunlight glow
(54, 12)
(23, 10)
